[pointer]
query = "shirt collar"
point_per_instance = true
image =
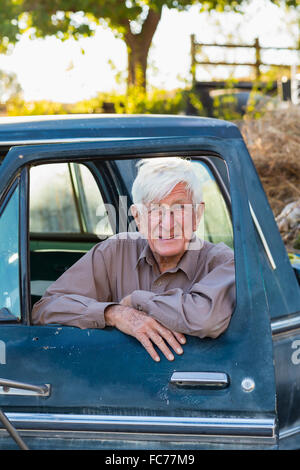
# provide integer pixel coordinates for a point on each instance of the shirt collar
(147, 254)
(187, 263)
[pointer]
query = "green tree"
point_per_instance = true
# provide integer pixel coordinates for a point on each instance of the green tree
(135, 21)
(9, 86)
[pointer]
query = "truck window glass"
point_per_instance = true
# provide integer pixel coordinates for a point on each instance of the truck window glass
(52, 204)
(67, 217)
(90, 200)
(9, 256)
(216, 225)
(65, 198)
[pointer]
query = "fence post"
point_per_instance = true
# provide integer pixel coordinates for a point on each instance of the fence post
(295, 85)
(193, 59)
(257, 58)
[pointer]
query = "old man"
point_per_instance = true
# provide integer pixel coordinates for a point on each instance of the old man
(158, 284)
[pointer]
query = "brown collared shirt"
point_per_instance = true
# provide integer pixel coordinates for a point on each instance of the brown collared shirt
(197, 297)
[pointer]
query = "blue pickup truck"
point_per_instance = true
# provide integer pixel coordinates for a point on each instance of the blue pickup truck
(63, 387)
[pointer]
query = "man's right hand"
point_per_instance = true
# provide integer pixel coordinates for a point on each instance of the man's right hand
(145, 329)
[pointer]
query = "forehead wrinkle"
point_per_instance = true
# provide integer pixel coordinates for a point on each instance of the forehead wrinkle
(180, 192)
(177, 201)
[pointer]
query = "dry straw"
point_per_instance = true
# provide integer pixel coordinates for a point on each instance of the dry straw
(274, 144)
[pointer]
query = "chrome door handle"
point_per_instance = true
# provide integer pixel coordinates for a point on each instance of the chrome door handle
(207, 380)
(12, 387)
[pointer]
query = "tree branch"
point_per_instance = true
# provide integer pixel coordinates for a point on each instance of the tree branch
(148, 29)
(150, 24)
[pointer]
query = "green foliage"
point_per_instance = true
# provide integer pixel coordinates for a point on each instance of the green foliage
(18, 107)
(9, 12)
(196, 103)
(66, 18)
(297, 243)
(136, 101)
(260, 101)
(225, 105)
(9, 86)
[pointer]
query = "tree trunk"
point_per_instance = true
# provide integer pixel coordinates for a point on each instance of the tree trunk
(138, 46)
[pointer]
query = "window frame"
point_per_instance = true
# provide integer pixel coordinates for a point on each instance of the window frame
(112, 183)
(104, 172)
(24, 246)
(16, 182)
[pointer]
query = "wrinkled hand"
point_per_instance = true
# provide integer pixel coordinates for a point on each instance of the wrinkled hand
(145, 329)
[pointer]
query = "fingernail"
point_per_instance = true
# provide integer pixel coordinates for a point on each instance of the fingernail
(179, 350)
(171, 357)
(157, 359)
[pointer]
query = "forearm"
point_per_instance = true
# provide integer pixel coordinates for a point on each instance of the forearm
(112, 313)
(79, 297)
(177, 311)
(70, 310)
(204, 311)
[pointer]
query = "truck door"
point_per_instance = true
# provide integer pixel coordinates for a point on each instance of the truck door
(58, 381)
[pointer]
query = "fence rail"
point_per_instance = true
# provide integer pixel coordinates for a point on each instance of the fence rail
(195, 46)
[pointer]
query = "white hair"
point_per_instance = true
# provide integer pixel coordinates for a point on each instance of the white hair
(158, 176)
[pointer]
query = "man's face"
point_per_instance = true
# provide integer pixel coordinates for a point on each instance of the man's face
(169, 224)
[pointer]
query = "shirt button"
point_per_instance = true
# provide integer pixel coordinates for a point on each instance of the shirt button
(139, 307)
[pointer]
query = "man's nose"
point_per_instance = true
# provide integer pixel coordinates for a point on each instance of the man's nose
(167, 219)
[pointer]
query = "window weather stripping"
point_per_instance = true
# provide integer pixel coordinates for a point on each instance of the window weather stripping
(262, 237)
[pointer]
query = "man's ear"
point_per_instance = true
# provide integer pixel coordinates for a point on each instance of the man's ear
(198, 215)
(136, 215)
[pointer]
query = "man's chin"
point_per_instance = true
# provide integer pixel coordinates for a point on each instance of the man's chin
(169, 246)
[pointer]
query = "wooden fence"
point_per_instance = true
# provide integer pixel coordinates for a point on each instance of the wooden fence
(196, 47)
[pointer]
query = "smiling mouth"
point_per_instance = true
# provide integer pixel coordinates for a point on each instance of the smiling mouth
(167, 238)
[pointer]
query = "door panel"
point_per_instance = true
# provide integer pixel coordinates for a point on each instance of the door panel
(107, 373)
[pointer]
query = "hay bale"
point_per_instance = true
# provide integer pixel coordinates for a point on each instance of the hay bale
(274, 144)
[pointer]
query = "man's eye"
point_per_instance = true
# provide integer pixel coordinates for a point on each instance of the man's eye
(178, 208)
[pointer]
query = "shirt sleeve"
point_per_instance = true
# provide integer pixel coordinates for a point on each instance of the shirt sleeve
(74, 299)
(204, 311)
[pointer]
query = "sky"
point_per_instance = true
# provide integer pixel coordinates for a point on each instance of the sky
(59, 71)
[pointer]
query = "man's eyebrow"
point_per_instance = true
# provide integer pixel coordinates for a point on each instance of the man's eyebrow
(180, 201)
(177, 201)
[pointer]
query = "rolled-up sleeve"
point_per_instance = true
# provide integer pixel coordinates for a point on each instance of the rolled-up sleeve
(79, 297)
(204, 311)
